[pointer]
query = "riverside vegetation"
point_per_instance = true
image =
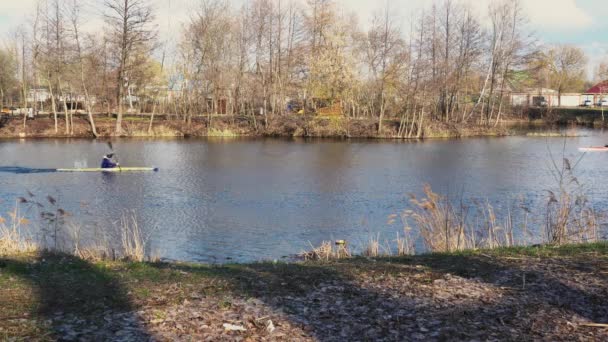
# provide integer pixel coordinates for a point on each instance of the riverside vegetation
(479, 282)
(292, 125)
(275, 63)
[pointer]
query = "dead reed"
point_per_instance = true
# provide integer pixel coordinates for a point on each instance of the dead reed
(133, 240)
(13, 239)
(372, 249)
(445, 226)
(405, 244)
(58, 232)
(327, 251)
(569, 216)
(441, 226)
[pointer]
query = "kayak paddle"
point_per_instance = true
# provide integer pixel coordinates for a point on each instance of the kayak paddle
(115, 156)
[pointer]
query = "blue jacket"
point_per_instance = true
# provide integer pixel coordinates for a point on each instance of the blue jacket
(107, 164)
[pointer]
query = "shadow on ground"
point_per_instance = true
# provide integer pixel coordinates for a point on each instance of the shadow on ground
(421, 298)
(426, 298)
(69, 299)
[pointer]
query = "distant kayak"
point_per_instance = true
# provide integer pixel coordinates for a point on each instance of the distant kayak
(115, 169)
(594, 149)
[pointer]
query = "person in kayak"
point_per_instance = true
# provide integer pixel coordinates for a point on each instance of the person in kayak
(108, 162)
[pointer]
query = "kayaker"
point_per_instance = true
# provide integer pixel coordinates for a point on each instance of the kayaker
(107, 162)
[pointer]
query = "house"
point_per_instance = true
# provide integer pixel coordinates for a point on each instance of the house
(38, 94)
(535, 97)
(544, 97)
(596, 93)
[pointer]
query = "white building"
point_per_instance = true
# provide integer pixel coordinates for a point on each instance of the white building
(38, 95)
(546, 98)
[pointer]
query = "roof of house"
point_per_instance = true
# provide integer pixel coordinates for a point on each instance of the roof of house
(600, 88)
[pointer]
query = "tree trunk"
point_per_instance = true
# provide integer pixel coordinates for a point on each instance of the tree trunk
(53, 105)
(381, 118)
(24, 104)
(152, 116)
(65, 108)
(419, 134)
(119, 115)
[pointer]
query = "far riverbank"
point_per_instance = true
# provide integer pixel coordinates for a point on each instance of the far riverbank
(246, 126)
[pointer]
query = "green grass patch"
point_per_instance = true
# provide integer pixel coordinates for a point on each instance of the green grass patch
(600, 248)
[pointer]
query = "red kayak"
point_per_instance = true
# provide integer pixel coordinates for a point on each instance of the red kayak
(594, 149)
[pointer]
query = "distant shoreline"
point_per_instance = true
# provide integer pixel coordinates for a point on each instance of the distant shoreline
(245, 126)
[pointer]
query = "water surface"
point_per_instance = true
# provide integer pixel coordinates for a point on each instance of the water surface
(260, 199)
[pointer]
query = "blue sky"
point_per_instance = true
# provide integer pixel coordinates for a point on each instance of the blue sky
(580, 22)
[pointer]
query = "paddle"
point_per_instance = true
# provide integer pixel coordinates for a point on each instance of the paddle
(116, 157)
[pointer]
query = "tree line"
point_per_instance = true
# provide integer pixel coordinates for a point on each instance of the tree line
(270, 58)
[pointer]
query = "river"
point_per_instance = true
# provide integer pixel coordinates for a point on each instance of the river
(241, 200)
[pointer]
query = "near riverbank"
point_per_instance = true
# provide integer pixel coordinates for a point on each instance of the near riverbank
(506, 294)
(243, 126)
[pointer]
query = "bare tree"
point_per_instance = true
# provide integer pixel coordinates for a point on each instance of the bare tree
(385, 51)
(567, 66)
(8, 72)
(271, 56)
(75, 20)
(130, 26)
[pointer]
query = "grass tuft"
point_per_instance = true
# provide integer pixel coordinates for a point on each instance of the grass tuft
(13, 239)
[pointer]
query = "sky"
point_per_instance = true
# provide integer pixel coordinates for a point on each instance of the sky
(582, 23)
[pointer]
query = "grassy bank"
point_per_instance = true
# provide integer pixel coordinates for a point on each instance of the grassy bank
(233, 126)
(503, 294)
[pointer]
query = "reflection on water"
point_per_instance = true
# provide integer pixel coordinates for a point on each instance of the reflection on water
(251, 199)
(21, 170)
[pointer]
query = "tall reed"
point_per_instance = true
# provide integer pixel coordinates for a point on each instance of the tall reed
(441, 225)
(133, 240)
(13, 238)
(373, 246)
(569, 216)
(327, 251)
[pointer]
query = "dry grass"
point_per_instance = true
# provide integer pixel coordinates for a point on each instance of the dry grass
(97, 250)
(405, 243)
(141, 130)
(133, 240)
(327, 251)
(373, 247)
(554, 134)
(61, 234)
(441, 225)
(214, 132)
(493, 238)
(445, 227)
(569, 217)
(13, 239)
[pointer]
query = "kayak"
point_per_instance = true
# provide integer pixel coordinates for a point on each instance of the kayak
(116, 169)
(594, 149)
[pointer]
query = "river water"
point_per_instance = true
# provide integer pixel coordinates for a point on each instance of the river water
(263, 199)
